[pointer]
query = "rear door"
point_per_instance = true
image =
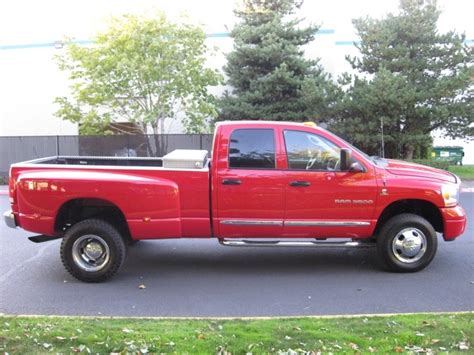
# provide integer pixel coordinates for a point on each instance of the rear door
(250, 189)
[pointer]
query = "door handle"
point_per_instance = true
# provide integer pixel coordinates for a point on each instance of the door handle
(231, 182)
(300, 183)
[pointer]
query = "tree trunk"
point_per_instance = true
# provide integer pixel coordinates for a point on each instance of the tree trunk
(160, 137)
(408, 152)
(147, 140)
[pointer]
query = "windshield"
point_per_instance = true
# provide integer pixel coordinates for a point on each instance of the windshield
(374, 159)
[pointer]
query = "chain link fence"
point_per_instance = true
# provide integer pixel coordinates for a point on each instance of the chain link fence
(18, 149)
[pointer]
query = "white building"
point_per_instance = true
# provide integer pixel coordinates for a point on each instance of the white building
(29, 30)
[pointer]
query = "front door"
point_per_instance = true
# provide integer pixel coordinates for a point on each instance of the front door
(321, 200)
(250, 191)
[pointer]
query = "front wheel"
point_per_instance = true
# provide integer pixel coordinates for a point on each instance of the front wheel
(407, 243)
(92, 250)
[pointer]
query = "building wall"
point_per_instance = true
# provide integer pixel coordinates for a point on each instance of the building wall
(30, 79)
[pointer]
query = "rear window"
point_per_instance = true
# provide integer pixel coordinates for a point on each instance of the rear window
(252, 148)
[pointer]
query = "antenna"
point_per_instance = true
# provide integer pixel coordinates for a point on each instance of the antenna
(383, 144)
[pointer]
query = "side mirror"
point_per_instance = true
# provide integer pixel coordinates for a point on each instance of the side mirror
(345, 159)
(356, 168)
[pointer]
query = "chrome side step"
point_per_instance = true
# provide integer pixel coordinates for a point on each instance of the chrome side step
(289, 243)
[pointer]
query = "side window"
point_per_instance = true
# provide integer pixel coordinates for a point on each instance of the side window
(252, 148)
(307, 151)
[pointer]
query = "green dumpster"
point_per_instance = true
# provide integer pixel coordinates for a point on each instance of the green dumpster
(452, 154)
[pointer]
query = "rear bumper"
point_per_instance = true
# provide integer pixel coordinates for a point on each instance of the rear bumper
(454, 221)
(9, 219)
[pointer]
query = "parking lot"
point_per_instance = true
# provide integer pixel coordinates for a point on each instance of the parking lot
(202, 278)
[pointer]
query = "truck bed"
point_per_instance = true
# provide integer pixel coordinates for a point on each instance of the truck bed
(157, 162)
(156, 202)
(107, 161)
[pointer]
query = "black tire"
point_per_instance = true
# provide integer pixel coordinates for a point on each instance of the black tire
(394, 247)
(98, 234)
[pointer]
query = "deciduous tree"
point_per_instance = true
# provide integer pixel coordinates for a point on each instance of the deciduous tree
(142, 70)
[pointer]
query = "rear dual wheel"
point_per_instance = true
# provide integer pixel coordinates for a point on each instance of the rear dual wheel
(407, 243)
(92, 250)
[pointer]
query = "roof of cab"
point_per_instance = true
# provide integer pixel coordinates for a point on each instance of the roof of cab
(270, 123)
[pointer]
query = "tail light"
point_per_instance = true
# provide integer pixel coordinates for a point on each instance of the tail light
(12, 190)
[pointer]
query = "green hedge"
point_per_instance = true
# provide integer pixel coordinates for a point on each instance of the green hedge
(438, 164)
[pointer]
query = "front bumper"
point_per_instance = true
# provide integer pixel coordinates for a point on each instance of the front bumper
(454, 221)
(9, 219)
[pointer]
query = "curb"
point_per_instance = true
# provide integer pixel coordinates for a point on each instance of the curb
(374, 315)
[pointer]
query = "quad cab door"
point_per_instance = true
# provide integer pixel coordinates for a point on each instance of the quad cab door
(250, 199)
(321, 200)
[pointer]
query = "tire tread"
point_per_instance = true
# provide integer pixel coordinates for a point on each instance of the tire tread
(117, 261)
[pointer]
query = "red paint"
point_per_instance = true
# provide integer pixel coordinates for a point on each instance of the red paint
(160, 203)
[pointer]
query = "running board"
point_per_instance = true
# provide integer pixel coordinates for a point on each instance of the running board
(42, 238)
(281, 243)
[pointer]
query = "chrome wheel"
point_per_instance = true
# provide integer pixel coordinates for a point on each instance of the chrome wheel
(409, 245)
(90, 252)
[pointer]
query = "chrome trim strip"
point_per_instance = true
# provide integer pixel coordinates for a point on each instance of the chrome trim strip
(326, 223)
(289, 243)
(251, 222)
(205, 169)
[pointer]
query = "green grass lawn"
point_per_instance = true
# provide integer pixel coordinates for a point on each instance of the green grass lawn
(465, 172)
(453, 333)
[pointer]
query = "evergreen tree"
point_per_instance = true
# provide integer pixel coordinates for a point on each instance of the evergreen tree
(269, 77)
(412, 80)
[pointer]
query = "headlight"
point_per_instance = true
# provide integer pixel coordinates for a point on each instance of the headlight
(450, 194)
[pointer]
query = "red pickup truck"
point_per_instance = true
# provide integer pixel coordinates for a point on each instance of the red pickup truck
(266, 184)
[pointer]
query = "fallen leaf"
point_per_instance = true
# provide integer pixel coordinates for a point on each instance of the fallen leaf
(434, 341)
(420, 334)
(126, 330)
(398, 349)
(46, 345)
(371, 349)
(60, 338)
(463, 345)
(200, 336)
(354, 346)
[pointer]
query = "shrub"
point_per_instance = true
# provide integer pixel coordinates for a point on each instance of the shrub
(438, 164)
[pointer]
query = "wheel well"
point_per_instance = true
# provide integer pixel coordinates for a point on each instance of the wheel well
(422, 208)
(84, 208)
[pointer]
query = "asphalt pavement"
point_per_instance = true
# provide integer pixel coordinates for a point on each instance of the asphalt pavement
(202, 278)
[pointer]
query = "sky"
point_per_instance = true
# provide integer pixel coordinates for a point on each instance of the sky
(30, 79)
(32, 21)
